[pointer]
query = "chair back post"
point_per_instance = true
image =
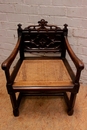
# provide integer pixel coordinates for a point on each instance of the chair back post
(65, 29)
(19, 30)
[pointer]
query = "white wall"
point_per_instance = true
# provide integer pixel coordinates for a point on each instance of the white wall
(72, 12)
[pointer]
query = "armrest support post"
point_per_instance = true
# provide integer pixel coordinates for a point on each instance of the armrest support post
(78, 75)
(7, 76)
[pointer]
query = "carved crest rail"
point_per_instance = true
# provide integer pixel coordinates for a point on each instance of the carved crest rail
(42, 37)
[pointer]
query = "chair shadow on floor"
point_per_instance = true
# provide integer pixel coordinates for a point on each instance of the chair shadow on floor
(42, 105)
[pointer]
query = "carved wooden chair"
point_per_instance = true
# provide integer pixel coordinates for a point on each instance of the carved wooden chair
(48, 73)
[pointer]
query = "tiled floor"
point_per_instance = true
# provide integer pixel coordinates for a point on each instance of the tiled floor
(42, 113)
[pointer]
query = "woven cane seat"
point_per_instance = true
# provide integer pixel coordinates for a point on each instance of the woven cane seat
(42, 73)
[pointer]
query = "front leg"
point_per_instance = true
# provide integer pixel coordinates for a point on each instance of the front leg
(71, 104)
(14, 104)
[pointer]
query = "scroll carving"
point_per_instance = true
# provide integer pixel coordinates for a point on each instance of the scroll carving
(42, 25)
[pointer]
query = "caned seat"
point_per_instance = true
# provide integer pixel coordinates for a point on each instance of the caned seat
(42, 73)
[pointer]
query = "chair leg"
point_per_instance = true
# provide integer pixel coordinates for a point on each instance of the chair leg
(14, 104)
(71, 104)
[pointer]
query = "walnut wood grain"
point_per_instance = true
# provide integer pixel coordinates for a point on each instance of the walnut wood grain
(7, 63)
(78, 63)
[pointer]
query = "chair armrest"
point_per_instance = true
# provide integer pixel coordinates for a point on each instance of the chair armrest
(7, 63)
(78, 63)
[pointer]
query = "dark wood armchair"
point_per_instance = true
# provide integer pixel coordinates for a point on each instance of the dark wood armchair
(48, 73)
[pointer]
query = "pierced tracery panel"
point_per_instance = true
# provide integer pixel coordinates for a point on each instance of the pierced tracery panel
(42, 42)
(42, 37)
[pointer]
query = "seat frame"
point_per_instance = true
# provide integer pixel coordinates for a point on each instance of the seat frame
(43, 39)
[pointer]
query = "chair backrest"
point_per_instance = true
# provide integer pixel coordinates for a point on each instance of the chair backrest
(42, 38)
